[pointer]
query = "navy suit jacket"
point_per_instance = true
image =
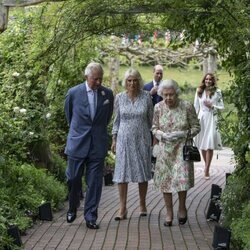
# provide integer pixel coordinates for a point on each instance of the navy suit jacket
(87, 138)
(155, 98)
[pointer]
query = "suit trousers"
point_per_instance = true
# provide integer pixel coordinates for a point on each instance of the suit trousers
(94, 181)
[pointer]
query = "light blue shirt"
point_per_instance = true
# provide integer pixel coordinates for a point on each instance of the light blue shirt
(92, 98)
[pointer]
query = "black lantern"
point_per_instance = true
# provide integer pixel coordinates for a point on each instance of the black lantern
(45, 212)
(108, 179)
(13, 232)
(215, 191)
(221, 239)
(214, 211)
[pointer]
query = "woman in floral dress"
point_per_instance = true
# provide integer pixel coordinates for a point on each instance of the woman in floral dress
(173, 118)
(132, 140)
(208, 100)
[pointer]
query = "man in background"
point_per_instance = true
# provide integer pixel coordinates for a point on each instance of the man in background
(152, 86)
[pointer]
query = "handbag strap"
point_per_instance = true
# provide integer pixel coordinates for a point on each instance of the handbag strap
(189, 138)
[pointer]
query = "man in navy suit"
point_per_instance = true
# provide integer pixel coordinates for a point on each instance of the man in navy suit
(88, 109)
(152, 86)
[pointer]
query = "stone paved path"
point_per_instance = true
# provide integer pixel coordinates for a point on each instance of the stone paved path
(135, 232)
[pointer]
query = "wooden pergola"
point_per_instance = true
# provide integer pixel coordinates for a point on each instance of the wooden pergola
(6, 4)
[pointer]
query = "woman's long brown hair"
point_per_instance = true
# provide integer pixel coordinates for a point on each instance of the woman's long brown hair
(202, 86)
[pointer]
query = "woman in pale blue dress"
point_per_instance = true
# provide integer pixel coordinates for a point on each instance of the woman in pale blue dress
(208, 100)
(132, 140)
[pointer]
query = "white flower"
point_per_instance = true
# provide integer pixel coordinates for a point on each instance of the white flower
(28, 74)
(48, 115)
(16, 109)
(51, 67)
(23, 111)
(16, 74)
(20, 179)
(31, 133)
(103, 93)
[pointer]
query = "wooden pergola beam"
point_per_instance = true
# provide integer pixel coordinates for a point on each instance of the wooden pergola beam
(6, 4)
(23, 3)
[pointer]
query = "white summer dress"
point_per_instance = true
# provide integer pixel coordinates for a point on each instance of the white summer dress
(209, 136)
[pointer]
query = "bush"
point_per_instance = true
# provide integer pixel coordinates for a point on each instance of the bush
(59, 167)
(235, 206)
(109, 163)
(241, 229)
(23, 189)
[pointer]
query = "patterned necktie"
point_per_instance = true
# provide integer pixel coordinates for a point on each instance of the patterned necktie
(93, 104)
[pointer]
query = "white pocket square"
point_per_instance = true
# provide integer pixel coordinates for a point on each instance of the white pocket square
(106, 102)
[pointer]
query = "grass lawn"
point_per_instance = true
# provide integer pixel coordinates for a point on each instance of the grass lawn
(191, 77)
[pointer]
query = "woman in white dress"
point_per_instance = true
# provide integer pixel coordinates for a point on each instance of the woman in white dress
(208, 100)
(132, 140)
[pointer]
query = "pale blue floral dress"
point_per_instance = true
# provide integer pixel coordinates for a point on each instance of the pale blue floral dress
(172, 173)
(132, 124)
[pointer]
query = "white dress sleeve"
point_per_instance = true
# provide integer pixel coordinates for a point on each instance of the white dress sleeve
(196, 103)
(217, 100)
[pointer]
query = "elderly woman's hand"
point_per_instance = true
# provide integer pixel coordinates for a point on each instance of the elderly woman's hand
(174, 135)
(168, 137)
(113, 146)
(158, 134)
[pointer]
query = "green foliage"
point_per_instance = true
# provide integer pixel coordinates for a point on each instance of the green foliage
(23, 189)
(20, 78)
(194, 64)
(239, 95)
(110, 160)
(235, 206)
(241, 230)
(59, 167)
(30, 186)
(236, 192)
(109, 163)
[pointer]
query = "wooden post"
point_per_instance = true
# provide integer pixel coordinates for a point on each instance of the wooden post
(209, 60)
(114, 65)
(204, 64)
(3, 17)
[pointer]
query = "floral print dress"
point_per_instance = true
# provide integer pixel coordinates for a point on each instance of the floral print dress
(132, 124)
(172, 173)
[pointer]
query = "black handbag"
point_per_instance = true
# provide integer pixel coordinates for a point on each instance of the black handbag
(190, 151)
